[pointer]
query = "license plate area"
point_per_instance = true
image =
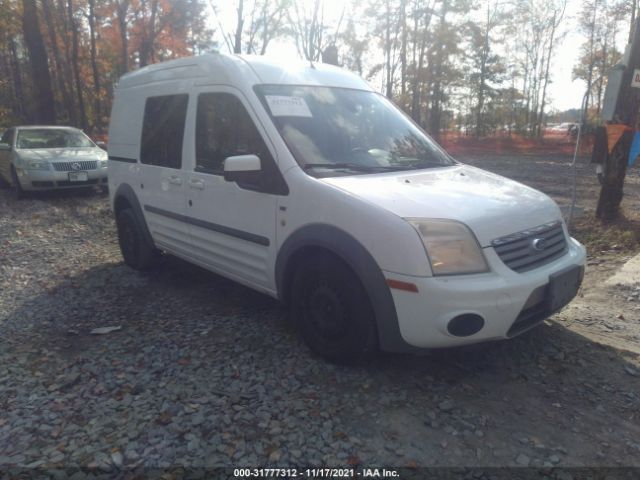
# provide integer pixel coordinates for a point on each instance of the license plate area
(563, 286)
(78, 176)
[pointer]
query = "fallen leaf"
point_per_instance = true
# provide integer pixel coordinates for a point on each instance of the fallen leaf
(105, 330)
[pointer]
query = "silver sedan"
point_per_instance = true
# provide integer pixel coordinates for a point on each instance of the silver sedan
(42, 158)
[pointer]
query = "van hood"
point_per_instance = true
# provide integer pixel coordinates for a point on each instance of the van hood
(491, 205)
(63, 154)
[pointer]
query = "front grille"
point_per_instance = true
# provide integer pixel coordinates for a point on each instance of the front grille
(69, 166)
(518, 252)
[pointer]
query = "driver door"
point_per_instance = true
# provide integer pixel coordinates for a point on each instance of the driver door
(232, 225)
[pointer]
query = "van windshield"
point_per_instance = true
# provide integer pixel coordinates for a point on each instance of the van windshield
(337, 131)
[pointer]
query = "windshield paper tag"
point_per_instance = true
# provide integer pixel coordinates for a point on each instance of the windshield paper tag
(285, 106)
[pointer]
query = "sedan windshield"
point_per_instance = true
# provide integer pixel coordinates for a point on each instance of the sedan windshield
(51, 138)
(338, 131)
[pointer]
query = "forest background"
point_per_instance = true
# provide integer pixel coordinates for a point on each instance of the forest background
(473, 66)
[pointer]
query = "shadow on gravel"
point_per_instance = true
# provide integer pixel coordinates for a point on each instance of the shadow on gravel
(189, 335)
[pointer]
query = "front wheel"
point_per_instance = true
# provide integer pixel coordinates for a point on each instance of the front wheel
(136, 250)
(332, 310)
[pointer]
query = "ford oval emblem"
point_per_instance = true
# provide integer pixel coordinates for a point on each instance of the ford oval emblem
(75, 166)
(539, 244)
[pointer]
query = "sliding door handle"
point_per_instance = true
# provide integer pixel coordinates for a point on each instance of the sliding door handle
(195, 183)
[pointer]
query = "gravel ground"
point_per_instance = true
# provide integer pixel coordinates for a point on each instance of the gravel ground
(204, 372)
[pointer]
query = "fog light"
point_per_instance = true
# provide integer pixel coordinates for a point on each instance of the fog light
(465, 325)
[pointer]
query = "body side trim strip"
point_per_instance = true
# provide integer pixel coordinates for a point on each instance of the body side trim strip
(122, 159)
(232, 232)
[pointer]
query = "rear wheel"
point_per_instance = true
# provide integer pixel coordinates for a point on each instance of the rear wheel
(18, 192)
(332, 310)
(136, 250)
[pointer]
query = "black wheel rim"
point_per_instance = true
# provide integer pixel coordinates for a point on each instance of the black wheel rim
(325, 312)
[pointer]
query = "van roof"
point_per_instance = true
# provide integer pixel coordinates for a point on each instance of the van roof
(246, 70)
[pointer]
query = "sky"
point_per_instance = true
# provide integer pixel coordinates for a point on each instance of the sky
(564, 92)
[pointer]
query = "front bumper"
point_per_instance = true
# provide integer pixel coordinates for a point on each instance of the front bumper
(509, 302)
(33, 180)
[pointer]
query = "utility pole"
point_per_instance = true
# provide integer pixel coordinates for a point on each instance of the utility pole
(625, 113)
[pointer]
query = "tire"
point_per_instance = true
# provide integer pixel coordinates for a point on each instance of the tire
(18, 192)
(136, 250)
(332, 310)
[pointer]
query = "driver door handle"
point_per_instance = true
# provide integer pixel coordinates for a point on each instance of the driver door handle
(175, 180)
(195, 183)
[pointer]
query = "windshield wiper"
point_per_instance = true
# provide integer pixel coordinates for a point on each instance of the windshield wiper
(338, 166)
(418, 165)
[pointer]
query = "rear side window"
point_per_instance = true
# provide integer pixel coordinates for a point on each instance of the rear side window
(7, 137)
(163, 130)
(224, 129)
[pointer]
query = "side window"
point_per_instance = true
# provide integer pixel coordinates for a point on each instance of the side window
(7, 136)
(163, 130)
(224, 129)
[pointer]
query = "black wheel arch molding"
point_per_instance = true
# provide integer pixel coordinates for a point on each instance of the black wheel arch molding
(126, 193)
(361, 262)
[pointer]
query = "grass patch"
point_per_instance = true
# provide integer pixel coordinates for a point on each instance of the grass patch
(622, 234)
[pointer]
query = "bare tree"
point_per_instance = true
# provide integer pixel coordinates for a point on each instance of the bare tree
(122, 11)
(308, 28)
(557, 15)
(237, 43)
(266, 23)
(39, 60)
(58, 72)
(76, 64)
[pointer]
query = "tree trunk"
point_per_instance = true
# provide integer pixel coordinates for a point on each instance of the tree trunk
(403, 50)
(45, 109)
(634, 7)
(237, 45)
(60, 77)
(76, 65)
(546, 74)
(613, 180)
(17, 81)
(97, 121)
(149, 37)
(479, 130)
(387, 51)
(592, 34)
(122, 7)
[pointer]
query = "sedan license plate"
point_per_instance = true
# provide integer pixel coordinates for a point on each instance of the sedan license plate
(78, 176)
(563, 286)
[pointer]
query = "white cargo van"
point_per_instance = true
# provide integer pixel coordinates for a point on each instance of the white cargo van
(299, 181)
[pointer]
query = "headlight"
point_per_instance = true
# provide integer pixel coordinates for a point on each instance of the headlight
(451, 247)
(102, 163)
(36, 165)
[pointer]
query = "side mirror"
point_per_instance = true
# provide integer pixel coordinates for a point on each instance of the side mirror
(101, 144)
(5, 146)
(243, 169)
